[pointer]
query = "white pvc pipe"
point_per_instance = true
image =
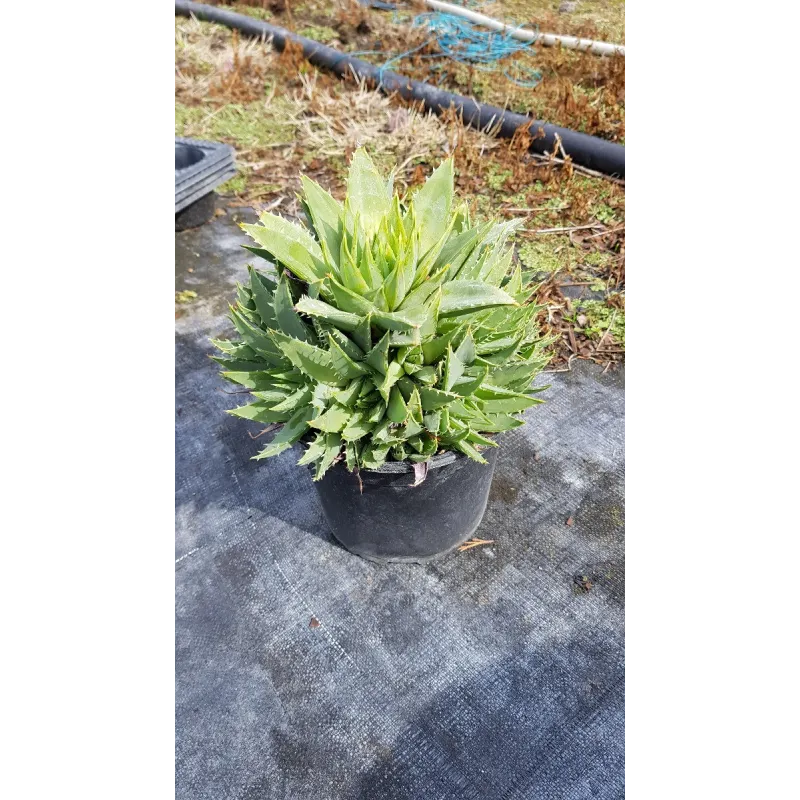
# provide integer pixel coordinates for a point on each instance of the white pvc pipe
(550, 39)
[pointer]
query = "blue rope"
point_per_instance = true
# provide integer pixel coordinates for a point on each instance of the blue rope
(462, 41)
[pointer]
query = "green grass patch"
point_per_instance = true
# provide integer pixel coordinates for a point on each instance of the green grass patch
(246, 126)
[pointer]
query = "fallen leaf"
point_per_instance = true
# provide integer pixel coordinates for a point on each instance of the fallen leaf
(420, 473)
(314, 623)
(569, 522)
(583, 582)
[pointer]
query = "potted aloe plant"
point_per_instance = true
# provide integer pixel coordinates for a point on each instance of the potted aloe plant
(394, 339)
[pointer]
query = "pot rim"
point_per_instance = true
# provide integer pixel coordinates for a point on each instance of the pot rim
(443, 459)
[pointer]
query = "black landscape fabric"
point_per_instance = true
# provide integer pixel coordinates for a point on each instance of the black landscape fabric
(306, 673)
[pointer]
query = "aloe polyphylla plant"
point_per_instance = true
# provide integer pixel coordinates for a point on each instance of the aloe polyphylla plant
(389, 329)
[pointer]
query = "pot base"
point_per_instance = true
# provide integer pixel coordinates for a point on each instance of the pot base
(408, 559)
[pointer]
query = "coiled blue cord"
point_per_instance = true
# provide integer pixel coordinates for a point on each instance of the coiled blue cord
(461, 40)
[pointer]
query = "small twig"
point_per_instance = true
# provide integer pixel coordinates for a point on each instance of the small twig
(564, 230)
(268, 429)
(572, 343)
(273, 205)
(560, 145)
(583, 170)
(577, 283)
(540, 208)
(474, 543)
(603, 233)
(602, 338)
(568, 369)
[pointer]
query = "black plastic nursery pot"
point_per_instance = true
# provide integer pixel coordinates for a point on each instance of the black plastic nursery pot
(384, 517)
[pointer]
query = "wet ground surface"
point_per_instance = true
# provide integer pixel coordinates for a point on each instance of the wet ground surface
(306, 673)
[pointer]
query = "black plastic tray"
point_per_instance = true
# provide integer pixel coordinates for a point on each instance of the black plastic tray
(199, 168)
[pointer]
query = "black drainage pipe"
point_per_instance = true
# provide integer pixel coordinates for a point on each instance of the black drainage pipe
(586, 151)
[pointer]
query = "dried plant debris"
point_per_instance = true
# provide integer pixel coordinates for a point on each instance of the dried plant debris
(474, 543)
(582, 583)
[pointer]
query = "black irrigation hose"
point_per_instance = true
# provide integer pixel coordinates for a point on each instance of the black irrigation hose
(586, 151)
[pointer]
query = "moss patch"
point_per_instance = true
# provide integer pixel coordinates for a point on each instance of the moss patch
(244, 125)
(601, 318)
(546, 256)
(320, 33)
(236, 185)
(186, 296)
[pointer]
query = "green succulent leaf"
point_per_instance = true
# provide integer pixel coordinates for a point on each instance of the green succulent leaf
(397, 411)
(333, 420)
(311, 360)
(333, 448)
(342, 363)
(374, 455)
(434, 398)
(433, 420)
(329, 313)
(453, 369)
(351, 456)
(259, 412)
(461, 297)
(376, 412)
(393, 374)
(347, 300)
(357, 427)
(263, 299)
(349, 395)
(290, 433)
(295, 400)
(326, 214)
(259, 341)
(250, 380)
(378, 357)
(432, 204)
(370, 195)
(315, 451)
(468, 450)
(496, 399)
(290, 245)
(287, 318)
